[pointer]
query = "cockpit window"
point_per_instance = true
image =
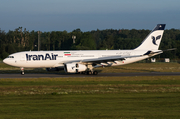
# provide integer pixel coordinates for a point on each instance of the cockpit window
(10, 57)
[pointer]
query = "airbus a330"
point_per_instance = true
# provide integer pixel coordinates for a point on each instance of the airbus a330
(87, 60)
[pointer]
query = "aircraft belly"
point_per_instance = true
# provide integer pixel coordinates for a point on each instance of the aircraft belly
(37, 64)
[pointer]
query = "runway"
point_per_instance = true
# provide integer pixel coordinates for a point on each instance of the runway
(83, 75)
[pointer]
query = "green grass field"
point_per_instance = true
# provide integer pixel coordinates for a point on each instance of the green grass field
(135, 67)
(139, 97)
(92, 106)
(98, 98)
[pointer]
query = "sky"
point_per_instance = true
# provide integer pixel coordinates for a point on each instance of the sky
(88, 15)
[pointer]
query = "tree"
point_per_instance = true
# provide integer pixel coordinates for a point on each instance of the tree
(10, 48)
(86, 43)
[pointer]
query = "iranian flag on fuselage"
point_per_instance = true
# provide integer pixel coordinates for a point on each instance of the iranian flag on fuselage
(67, 54)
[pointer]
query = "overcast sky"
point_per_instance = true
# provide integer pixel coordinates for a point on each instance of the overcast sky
(60, 15)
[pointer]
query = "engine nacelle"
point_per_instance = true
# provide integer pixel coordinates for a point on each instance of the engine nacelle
(74, 68)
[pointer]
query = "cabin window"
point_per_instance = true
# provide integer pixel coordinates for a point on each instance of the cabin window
(10, 57)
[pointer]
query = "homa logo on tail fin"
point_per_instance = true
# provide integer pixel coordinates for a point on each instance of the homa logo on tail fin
(155, 39)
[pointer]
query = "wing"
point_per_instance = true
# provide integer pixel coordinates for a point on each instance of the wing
(103, 59)
(95, 61)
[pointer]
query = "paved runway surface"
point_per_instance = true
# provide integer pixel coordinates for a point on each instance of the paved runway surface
(83, 75)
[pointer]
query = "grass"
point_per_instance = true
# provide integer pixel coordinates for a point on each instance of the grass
(98, 98)
(140, 106)
(135, 67)
(140, 97)
(144, 67)
(88, 85)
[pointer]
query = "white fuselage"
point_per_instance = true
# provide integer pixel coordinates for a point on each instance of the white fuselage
(44, 59)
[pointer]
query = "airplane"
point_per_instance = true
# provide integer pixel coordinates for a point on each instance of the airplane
(86, 61)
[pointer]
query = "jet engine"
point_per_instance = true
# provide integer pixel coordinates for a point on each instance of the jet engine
(74, 67)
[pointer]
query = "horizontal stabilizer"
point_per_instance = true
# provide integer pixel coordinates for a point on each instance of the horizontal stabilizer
(158, 52)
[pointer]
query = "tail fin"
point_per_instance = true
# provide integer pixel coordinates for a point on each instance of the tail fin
(153, 40)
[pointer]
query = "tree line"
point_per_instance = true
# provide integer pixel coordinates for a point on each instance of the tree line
(22, 40)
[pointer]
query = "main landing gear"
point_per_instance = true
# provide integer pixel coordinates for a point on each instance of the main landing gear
(88, 72)
(91, 72)
(22, 71)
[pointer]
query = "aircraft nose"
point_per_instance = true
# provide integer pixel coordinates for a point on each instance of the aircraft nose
(5, 61)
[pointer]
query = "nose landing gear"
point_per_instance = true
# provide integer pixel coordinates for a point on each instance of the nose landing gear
(22, 71)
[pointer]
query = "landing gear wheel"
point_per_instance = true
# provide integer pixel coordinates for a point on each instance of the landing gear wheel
(88, 72)
(95, 73)
(83, 72)
(22, 72)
